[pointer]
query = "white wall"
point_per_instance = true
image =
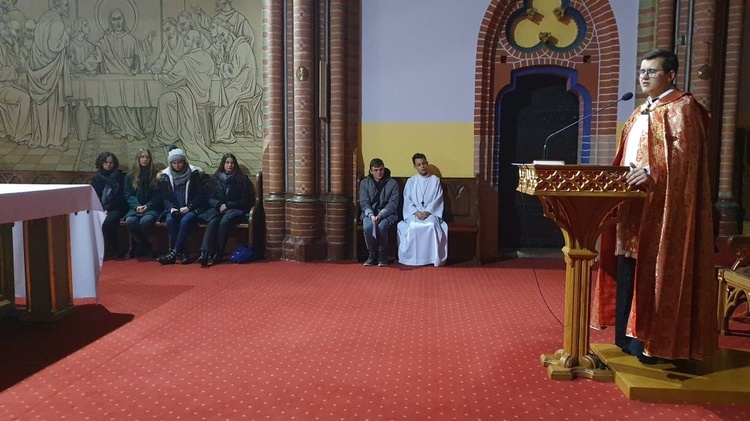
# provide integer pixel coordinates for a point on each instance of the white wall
(411, 46)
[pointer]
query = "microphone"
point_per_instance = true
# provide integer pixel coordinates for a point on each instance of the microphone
(625, 97)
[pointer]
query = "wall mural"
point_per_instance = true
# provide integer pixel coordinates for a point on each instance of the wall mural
(78, 77)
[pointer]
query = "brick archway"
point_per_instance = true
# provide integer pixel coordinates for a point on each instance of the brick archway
(596, 59)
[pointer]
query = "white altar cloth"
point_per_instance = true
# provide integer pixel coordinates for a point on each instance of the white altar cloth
(22, 202)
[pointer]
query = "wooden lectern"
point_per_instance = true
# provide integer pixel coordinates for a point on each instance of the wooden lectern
(581, 200)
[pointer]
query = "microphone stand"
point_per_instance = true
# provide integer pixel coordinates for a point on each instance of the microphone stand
(625, 97)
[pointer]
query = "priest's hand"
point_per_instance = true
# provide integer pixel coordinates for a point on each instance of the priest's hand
(638, 176)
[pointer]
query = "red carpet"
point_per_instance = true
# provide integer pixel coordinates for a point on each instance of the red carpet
(282, 340)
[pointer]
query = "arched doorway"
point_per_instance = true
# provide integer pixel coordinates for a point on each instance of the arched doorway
(537, 105)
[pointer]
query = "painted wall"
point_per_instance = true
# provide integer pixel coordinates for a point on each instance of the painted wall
(418, 60)
(113, 92)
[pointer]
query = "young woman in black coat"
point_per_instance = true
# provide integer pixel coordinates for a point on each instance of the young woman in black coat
(143, 194)
(230, 196)
(109, 186)
(181, 192)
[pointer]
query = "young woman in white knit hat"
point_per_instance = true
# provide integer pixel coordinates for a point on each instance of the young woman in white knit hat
(182, 193)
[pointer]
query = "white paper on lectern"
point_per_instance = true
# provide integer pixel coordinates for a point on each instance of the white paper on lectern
(547, 162)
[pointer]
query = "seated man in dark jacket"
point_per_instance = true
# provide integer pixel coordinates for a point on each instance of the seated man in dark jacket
(378, 201)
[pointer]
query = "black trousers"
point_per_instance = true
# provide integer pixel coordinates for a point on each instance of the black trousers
(219, 226)
(110, 228)
(625, 291)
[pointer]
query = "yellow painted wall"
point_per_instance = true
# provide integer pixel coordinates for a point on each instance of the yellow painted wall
(448, 146)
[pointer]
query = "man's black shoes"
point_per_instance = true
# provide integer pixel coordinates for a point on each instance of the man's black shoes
(371, 261)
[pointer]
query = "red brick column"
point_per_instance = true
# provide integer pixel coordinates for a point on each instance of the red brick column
(664, 29)
(727, 204)
(303, 208)
(274, 167)
(704, 22)
(337, 204)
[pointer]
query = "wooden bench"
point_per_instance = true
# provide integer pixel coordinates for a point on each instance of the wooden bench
(734, 282)
(460, 213)
(253, 227)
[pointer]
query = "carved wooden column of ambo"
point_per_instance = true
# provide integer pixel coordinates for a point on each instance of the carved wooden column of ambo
(274, 166)
(303, 208)
(727, 204)
(337, 204)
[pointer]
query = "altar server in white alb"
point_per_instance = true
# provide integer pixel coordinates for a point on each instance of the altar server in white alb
(423, 235)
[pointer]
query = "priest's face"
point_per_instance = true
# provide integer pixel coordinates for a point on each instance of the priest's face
(377, 173)
(653, 78)
(421, 165)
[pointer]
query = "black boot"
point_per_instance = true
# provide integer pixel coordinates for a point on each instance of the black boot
(169, 258)
(185, 258)
(203, 258)
(217, 258)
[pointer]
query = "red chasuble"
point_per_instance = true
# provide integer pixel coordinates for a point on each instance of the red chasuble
(674, 305)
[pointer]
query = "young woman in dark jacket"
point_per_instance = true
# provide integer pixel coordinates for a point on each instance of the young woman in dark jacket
(181, 192)
(230, 196)
(108, 184)
(143, 194)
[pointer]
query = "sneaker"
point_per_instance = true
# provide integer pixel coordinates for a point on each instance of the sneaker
(371, 261)
(383, 262)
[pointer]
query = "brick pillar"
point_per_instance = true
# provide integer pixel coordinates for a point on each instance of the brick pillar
(337, 204)
(303, 208)
(274, 166)
(353, 104)
(664, 30)
(704, 22)
(727, 204)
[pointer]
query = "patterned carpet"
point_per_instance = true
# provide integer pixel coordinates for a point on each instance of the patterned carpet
(284, 340)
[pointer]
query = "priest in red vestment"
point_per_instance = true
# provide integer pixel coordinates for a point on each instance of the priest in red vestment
(661, 255)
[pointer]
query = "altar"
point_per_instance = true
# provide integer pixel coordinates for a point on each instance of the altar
(51, 247)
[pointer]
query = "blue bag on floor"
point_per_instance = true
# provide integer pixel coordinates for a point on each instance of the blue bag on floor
(242, 254)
